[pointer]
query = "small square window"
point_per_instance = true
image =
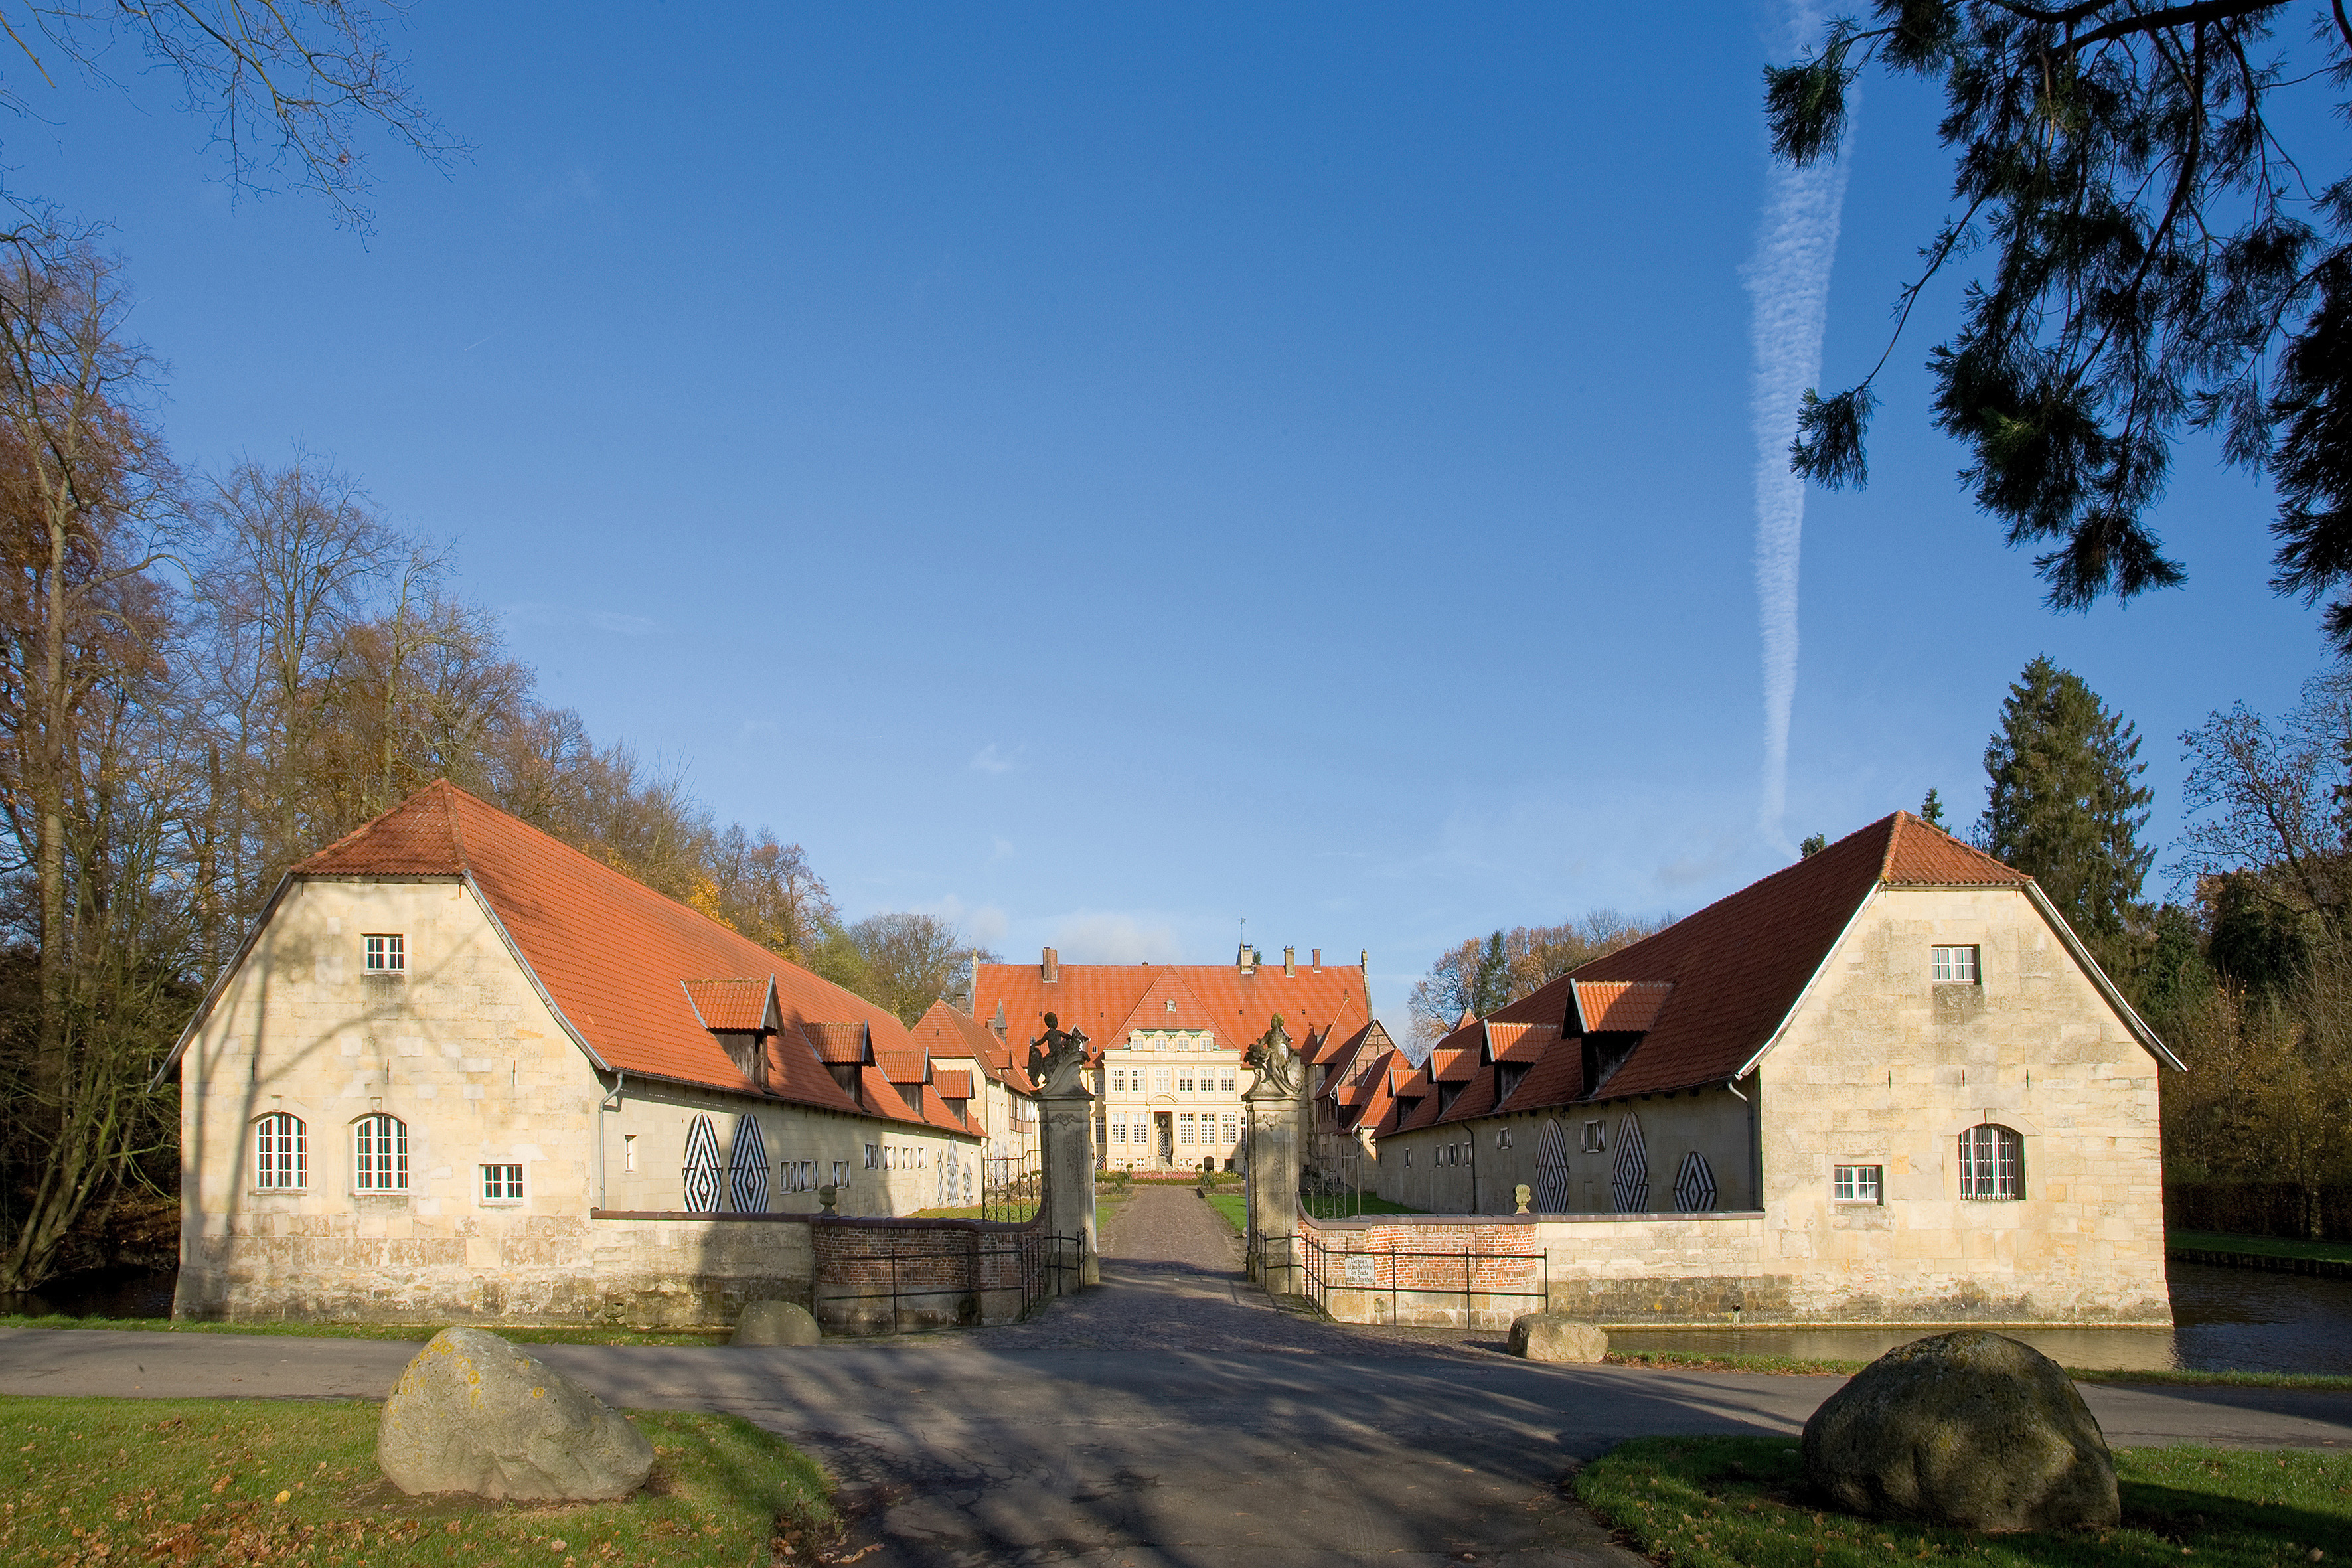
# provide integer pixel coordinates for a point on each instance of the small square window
(1856, 1184)
(1171, 1004)
(387, 953)
(502, 1183)
(1956, 966)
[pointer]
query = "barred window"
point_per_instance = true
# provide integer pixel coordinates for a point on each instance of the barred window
(379, 1154)
(1992, 1163)
(1956, 966)
(1855, 1184)
(501, 1183)
(281, 1152)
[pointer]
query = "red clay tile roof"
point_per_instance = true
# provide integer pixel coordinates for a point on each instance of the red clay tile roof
(1100, 998)
(838, 1044)
(1454, 1064)
(905, 1066)
(1714, 987)
(1521, 1044)
(1617, 1006)
(609, 951)
(734, 1004)
(953, 1084)
(951, 1036)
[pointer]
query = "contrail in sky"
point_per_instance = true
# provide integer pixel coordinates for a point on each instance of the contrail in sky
(1789, 282)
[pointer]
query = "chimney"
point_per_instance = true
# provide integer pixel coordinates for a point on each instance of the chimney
(1316, 963)
(1052, 967)
(1243, 959)
(1290, 963)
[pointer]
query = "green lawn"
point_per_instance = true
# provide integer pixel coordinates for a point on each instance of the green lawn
(1709, 1361)
(2258, 1246)
(1235, 1208)
(419, 1332)
(1741, 1502)
(236, 1481)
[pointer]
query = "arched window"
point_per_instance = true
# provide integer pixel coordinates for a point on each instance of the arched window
(379, 1154)
(1992, 1163)
(281, 1152)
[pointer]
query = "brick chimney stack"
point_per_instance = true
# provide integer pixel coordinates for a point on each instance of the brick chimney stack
(1316, 963)
(1052, 967)
(1290, 963)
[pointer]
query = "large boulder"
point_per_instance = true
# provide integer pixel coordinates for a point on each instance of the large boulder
(1969, 1429)
(473, 1414)
(1554, 1336)
(775, 1323)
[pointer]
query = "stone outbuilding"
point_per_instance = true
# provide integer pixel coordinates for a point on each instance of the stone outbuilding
(460, 1070)
(1885, 1084)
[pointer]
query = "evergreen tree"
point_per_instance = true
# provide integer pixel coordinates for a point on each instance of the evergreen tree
(2065, 806)
(1813, 845)
(1931, 810)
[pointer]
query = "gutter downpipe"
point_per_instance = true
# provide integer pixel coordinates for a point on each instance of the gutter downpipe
(611, 1102)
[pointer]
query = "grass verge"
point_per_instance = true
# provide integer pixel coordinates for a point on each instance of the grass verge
(1806, 1366)
(1233, 1208)
(419, 1332)
(2258, 1246)
(1742, 1502)
(187, 1481)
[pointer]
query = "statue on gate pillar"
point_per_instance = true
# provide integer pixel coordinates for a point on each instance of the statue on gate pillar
(1056, 1058)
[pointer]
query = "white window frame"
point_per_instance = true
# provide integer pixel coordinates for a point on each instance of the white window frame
(1956, 964)
(281, 1149)
(1160, 1080)
(384, 952)
(490, 1188)
(1858, 1184)
(1226, 1082)
(379, 1154)
(1233, 1130)
(1596, 1137)
(1991, 1163)
(871, 1157)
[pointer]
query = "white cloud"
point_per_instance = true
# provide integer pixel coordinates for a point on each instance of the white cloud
(988, 760)
(983, 925)
(1113, 939)
(537, 614)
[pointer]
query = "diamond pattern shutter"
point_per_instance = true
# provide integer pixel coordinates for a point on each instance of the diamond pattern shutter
(1551, 1171)
(701, 1167)
(1629, 1184)
(747, 1168)
(1694, 1184)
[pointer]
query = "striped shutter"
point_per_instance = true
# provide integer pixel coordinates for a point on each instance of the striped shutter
(1695, 1184)
(747, 1168)
(1551, 1171)
(1631, 1184)
(701, 1167)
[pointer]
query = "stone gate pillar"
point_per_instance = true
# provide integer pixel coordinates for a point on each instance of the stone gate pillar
(1066, 1128)
(1275, 1101)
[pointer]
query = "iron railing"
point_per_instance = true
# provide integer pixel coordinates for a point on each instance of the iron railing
(943, 1286)
(1012, 1189)
(1410, 1277)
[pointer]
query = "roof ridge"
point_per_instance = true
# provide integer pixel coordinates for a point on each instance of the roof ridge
(456, 826)
(1886, 853)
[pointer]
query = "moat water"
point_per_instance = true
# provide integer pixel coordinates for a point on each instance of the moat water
(2224, 1319)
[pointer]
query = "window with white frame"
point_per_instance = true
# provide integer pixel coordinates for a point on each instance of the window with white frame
(502, 1183)
(1171, 1003)
(1160, 1080)
(870, 1152)
(1226, 1082)
(1993, 1163)
(1184, 1128)
(1955, 965)
(1118, 1080)
(387, 952)
(628, 1151)
(380, 1154)
(1596, 1137)
(840, 1174)
(281, 1152)
(1184, 1081)
(1233, 1130)
(1855, 1184)
(808, 1175)
(1502, 1137)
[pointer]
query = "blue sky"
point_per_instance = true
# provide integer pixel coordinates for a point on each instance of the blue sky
(1104, 472)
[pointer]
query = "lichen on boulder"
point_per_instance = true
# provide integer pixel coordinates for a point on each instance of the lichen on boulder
(1555, 1336)
(473, 1414)
(775, 1323)
(1969, 1429)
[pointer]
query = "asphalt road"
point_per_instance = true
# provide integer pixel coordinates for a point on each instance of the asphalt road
(1083, 1438)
